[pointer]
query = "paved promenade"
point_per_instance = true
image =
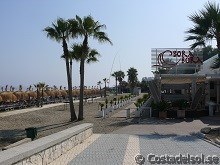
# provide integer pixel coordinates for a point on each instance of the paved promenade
(148, 137)
(120, 149)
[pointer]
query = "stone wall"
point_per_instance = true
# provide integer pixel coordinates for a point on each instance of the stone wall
(45, 150)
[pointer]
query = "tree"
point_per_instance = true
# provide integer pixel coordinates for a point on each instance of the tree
(115, 74)
(61, 31)
(121, 76)
(132, 78)
(86, 27)
(41, 86)
(206, 26)
(91, 56)
(144, 86)
(99, 83)
(124, 87)
(105, 81)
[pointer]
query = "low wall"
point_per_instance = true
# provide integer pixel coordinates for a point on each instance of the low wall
(45, 150)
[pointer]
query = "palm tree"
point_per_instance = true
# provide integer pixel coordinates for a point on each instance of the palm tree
(115, 74)
(105, 81)
(206, 26)
(86, 28)
(61, 32)
(91, 56)
(99, 83)
(41, 86)
(132, 78)
(121, 76)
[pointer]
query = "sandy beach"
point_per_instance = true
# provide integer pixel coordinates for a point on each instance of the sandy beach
(55, 119)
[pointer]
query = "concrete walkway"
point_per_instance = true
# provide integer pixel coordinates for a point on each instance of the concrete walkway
(120, 149)
(149, 137)
(123, 113)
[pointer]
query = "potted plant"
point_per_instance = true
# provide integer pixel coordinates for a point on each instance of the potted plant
(111, 102)
(137, 104)
(115, 100)
(101, 105)
(121, 98)
(182, 105)
(106, 103)
(140, 101)
(137, 112)
(162, 107)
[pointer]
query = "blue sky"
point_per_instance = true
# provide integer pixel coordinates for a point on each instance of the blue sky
(27, 56)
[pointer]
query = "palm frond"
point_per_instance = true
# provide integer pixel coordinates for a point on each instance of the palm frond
(102, 37)
(216, 63)
(93, 56)
(206, 25)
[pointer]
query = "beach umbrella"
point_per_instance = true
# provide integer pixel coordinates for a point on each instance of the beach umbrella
(63, 93)
(74, 92)
(25, 96)
(18, 94)
(57, 93)
(50, 93)
(8, 96)
(32, 94)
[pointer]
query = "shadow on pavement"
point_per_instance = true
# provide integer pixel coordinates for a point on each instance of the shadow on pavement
(175, 137)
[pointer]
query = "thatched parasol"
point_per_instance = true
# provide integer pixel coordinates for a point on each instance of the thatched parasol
(8, 96)
(1, 99)
(57, 93)
(21, 95)
(63, 93)
(50, 93)
(32, 94)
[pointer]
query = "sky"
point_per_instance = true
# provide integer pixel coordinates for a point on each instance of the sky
(27, 56)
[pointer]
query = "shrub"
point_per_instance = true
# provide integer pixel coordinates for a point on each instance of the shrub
(160, 106)
(101, 105)
(145, 97)
(111, 102)
(181, 104)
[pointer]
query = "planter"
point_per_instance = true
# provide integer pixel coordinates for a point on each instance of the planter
(137, 113)
(163, 114)
(181, 114)
(99, 113)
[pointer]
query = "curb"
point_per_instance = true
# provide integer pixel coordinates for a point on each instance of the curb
(202, 137)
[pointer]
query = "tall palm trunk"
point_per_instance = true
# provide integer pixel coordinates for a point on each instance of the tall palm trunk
(218, 45)
(69, 80)
(38, 97)
(82, 63)
(42, 97)
(116, 86)
(71, 68)
(105, 90)
(100, 90)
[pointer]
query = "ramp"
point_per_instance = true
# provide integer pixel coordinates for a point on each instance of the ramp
(154, 91)
(197, 98)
